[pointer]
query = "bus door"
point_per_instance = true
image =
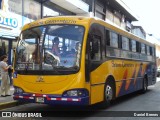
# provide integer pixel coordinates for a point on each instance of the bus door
(95, 49)
(94, 73)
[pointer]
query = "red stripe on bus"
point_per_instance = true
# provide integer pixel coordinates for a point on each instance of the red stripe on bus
(48, 98)
(25, 97)
(69, 99)
(58, 99)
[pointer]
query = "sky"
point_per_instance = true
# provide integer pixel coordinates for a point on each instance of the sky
(148, 12)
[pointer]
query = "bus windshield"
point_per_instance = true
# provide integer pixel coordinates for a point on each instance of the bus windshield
(50, 48)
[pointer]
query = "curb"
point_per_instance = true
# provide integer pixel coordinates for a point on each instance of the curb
(10, 104)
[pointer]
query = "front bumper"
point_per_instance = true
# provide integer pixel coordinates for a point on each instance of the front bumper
(51, 99)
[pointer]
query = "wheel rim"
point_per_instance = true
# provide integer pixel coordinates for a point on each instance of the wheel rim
(108, 93)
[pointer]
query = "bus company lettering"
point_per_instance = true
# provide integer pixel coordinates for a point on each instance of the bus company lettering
(51, 22)
(11, 22)
(122, 64)
(60, 21)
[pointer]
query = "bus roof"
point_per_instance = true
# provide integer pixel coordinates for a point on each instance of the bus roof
(81, 20)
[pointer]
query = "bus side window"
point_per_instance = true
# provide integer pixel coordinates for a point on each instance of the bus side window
(95, 48)
(133, 46)
(138, 48)
(152, 51)
(125, 43)
(143, 50)
(114, 40)
(108, 37)
(148, 51)
(111, 51)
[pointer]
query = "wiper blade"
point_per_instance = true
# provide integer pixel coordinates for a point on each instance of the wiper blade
(55, 69)
(69, 68)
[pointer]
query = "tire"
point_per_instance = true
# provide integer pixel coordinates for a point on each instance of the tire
(145, 85)
(109, 94)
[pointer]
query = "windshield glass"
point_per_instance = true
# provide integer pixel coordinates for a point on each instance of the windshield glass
(50, 48)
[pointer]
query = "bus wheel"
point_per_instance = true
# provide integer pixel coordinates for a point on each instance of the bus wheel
(108, 93)
(145, 85)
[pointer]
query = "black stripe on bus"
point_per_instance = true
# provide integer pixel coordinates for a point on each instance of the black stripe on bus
(97, 84)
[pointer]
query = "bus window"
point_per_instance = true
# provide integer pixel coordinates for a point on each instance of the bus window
(68, 47)
(133, 44)
(153, 51)
(125, 46)
(138, 47)
(148, 52)
(28, 50)
(143, 50)
(114, 40)
(107, 37)
(37, 43)
(125, 43)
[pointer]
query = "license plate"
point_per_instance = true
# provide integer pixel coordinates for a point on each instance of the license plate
(40, 99)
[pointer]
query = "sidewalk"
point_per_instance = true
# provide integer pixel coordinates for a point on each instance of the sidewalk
(6, 102)
(8, 98)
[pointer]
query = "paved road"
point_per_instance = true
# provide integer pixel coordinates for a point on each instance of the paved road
(135, 102)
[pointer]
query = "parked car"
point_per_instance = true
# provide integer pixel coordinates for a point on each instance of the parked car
(158, 72)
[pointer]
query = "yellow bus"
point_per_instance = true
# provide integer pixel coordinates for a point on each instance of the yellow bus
(73, 60)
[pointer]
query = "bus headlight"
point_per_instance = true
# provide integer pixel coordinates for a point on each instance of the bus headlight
(73, 93)
(18, 90)
(76, 93)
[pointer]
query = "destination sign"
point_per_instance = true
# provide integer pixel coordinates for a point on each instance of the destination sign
(51, 22)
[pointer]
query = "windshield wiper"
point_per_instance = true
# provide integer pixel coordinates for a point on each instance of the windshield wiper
(69, 68)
